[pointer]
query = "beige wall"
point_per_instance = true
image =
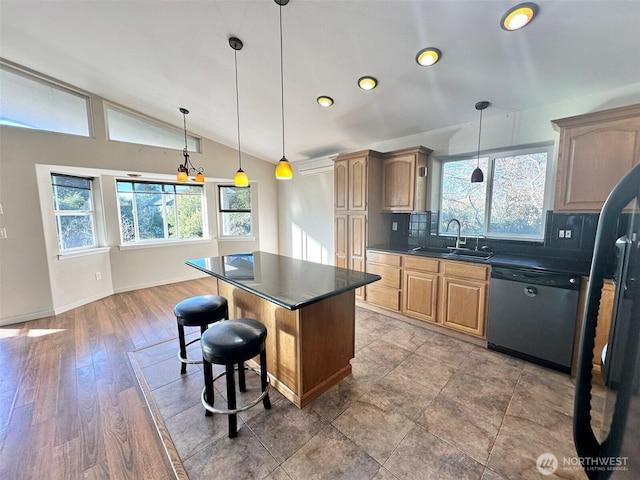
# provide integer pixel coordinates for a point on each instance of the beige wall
(34, 282)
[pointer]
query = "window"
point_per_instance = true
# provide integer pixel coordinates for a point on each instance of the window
(235, 211)
(74, 212)
(28, 101)
(510, 203)
(155, 212)
(124, 126)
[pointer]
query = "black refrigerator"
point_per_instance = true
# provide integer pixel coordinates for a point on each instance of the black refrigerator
(610, 446)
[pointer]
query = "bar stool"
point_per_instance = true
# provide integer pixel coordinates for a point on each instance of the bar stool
(229, 343)
(200, 311)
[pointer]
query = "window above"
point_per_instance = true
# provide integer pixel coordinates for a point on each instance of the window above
(28, 101)
(510, 203)
(124, 126)
(156, 212)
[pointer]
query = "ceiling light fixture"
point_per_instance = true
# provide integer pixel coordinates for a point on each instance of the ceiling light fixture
(428, 56)
(283, 169)
(324, 101)
(241, 179)
(187, 168)
(477, 176)
(519, 16)
(367, 83)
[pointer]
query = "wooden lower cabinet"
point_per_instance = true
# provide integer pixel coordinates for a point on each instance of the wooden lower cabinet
(385, 292)
(605, 315)
(464, 297)
(421, 288)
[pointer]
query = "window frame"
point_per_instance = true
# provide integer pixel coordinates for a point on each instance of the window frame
(142, 243)
(491, 156)
(221, 212)
(91, 213)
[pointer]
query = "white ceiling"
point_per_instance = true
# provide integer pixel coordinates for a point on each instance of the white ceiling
(157, 56)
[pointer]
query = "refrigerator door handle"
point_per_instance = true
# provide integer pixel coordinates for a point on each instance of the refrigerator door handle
(585, 440)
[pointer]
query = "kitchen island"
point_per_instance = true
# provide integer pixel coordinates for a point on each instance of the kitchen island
(308, 309)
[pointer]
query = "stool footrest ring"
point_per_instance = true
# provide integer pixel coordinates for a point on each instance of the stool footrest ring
(253, 403)
(188, 360)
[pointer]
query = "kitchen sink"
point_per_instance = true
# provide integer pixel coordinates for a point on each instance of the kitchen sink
(463, 252)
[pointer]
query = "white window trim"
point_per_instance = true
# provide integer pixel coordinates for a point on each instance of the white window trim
(67, 254)
(506, 152)
(163, 243)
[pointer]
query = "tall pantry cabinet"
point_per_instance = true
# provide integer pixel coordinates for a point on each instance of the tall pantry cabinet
(358, 222)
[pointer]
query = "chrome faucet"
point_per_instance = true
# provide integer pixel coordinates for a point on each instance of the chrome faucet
(447, 229)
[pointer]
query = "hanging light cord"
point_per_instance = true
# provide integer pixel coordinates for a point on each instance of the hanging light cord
(281, 83)
(235, 56)
(186, 154)
(479, 134)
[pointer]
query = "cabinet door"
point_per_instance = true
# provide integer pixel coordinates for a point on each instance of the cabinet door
(591, 161)
(357, 180)
(357, 243)
(420, 295)
(464, 305)
(341, 243)
(341, 184)
(399, 183)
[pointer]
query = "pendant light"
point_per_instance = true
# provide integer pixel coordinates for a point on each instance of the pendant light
(185, 169)
(283, 169)
(477, 176)
(241, 179)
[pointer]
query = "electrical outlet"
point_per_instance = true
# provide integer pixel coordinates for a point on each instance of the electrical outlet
(560, 233)
(567, 233)
(394, 226)
(98, 275)
(3, 233)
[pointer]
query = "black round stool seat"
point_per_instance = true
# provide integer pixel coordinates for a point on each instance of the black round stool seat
(230, 343)
(200, 310)
(233, 341)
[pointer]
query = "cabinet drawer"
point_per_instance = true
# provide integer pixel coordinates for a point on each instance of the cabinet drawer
(390, 275)
(465, 270)
(384, 258)
(422, 264)
(384, 297)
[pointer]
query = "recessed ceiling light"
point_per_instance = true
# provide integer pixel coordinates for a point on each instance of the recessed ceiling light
(428, 56)
(367, 83)
(324, 101)
(519, 16)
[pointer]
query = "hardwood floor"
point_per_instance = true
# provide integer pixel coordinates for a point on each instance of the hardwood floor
(70, 405)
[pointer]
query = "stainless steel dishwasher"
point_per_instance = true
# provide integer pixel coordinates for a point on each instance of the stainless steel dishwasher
(532, 315)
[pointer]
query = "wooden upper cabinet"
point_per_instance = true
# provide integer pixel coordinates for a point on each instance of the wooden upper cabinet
(595, 151)
(358, 183)
(404, 180)
(341, 184)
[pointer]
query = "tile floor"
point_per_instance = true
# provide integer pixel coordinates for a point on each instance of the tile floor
(418, 405)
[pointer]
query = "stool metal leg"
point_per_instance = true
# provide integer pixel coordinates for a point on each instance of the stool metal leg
(263, 377)
(208, 385)
(183, 349)
(231, 400)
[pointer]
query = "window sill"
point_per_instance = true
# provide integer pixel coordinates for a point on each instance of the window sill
(171, 243)
(236, 239)
(83, 253)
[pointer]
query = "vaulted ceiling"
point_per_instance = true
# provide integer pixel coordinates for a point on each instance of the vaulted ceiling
(157, 56)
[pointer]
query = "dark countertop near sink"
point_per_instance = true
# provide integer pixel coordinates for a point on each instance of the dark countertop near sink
(545, 264)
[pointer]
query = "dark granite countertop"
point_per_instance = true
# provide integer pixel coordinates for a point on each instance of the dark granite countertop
(285, 281)
(539, 263)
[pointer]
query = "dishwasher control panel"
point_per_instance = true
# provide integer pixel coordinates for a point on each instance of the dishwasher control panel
(533, 277)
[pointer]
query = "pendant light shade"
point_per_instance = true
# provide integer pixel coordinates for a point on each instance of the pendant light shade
(185, 169)
(283, 169)
(241, 179)
(477, 176)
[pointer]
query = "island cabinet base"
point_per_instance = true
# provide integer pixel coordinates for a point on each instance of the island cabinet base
(309, 349)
